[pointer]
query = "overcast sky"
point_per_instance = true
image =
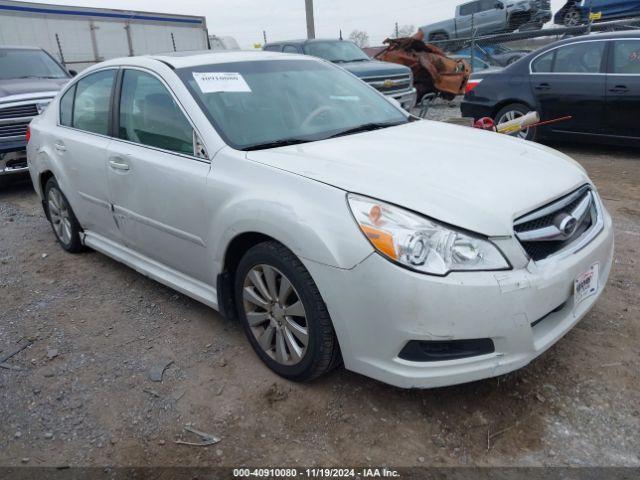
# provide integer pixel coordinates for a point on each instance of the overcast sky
(285, 19)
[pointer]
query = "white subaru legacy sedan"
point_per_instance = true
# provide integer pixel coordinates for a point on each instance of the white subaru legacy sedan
(282, 191)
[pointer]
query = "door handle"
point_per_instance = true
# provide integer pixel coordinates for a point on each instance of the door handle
(619, 89)
(119, 165)
(543, 86)
(59, 147)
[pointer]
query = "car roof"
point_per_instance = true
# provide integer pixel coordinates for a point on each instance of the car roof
(209, 57)
(304, 41)
(599, 36)
(19, 47)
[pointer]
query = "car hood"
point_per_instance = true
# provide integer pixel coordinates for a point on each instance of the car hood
(374, 68)
(477, 180)
(26, 86)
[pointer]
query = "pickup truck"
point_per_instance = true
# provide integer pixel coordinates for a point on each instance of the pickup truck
(576, 12)
(29, 79)
(390, 79)
(487, 17)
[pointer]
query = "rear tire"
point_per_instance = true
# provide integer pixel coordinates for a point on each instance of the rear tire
(283, 314)
(512, 111)
(63, 221)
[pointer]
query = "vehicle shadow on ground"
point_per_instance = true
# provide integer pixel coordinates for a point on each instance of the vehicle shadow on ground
(595, 150)
(14, 185)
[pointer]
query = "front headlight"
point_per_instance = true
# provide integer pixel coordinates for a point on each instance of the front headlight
(422, 244)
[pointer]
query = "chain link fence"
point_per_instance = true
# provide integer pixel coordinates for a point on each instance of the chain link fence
(498, 51)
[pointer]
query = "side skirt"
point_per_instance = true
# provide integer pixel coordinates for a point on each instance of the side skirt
(150, 268)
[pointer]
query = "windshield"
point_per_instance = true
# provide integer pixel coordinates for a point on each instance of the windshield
(23, 63)
(336, 51)
(253, 104)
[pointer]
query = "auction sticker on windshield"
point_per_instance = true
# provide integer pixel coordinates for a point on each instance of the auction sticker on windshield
(585, 284)
(215, 82)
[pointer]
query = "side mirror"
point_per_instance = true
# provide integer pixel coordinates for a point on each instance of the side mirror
(73, 73)
(499, 5)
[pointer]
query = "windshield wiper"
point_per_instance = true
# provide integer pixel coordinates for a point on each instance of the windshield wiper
(277, 143)
(366, 127)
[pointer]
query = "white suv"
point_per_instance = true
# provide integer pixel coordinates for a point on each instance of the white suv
(283, 191)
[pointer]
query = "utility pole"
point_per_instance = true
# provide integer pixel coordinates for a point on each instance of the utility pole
(311, 27)
(397, 30)
(264, 35)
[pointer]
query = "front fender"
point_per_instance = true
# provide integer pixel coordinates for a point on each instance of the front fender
(310, 218)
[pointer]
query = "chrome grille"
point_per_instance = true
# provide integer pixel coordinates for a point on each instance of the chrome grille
(558, 225)
(18, 130)
(19, 111)
(390, 83)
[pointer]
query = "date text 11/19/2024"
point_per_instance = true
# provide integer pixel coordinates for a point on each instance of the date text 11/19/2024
(315, 473)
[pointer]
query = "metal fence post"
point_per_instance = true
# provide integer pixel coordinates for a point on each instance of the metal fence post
(127, 29)
(94, 42)
(62, 60)
(473, 41)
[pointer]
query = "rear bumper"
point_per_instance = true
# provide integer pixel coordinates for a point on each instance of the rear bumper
(13, 158)
(475, 110)
(406, 99)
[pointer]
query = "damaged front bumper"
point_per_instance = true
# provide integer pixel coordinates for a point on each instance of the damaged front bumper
(406, 99)
(520, 313)
(13, 158)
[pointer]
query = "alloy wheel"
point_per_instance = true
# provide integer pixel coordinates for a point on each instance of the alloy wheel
(60, 215)
(512, 115)
(275, 314)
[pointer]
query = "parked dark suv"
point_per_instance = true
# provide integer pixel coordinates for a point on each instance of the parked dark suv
(29, 79)
(595, 79)
(395, 81)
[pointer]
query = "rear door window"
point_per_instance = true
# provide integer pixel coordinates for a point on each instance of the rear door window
(290, 49)
(585, 57)
(469, 8)
(92, 101)
(150, 116)
(626, 57)
(66, 107)
(544, 63)
(486, 5)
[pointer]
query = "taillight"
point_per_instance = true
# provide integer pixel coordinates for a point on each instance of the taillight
(471, 84)
(28, 135)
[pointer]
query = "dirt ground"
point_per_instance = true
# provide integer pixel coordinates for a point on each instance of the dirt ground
(80, 394)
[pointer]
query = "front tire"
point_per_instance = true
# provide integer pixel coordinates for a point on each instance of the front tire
(283, 314)
(511, 112)
(63, 221)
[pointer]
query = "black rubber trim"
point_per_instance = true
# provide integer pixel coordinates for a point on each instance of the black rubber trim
(442, 350)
